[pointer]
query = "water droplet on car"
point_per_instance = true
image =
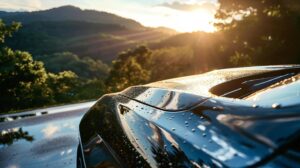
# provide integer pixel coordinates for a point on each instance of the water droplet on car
(193, 130)
(204, 135)
(173, 129)
(186, 122)
(255, 106)
(218, 108)
(276, 106)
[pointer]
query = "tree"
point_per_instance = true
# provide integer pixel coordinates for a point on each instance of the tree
(130, 68)
(85, 68)
(62, 86)
(265, 30)
(22, 80)
(172, 62)
(90, 89)
(7, 30)
(240, 59)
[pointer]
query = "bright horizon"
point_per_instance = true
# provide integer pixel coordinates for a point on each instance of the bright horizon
(183, 16)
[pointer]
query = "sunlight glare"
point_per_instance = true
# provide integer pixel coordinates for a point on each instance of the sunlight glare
(199, 20)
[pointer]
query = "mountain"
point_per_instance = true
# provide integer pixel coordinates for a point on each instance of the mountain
(70, 13)
(86, 33)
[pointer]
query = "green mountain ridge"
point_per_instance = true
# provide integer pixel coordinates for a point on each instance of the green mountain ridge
(86, 33)
(70, 13)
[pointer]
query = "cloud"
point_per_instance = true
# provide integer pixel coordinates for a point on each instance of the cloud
(50, 130)
(21, 5)
(209, 6)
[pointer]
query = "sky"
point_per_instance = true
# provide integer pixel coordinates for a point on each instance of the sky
(181, 15)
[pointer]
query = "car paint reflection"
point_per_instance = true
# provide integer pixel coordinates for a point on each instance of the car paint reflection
(150, 137)
(9, 136)
(165, 127)
(163, 98)
(286, 93)
(44, 111)
(51, 143)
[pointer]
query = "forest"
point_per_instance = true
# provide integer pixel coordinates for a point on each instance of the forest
(49, 62)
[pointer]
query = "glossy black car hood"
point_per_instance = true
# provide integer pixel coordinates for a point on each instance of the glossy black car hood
(161, 98)
(183, 93)
(179, 123)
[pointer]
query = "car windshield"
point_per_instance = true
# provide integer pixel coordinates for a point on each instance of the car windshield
(246, 87)
(285, 92)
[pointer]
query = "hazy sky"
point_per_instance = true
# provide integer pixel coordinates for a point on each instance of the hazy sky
(182, 15)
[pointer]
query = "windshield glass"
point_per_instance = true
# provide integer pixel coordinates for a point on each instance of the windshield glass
(285, 92)
(243, 87)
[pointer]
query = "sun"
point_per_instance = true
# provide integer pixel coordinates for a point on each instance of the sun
(198, 20)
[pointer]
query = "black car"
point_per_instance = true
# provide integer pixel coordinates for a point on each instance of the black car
(241, 117)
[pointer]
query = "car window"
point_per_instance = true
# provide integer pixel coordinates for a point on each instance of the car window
(242, 88)
(285, 92)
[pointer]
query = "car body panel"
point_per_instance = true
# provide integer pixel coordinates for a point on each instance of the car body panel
(46, 137)
(162, 125)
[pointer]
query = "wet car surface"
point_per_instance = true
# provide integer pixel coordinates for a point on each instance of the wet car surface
(223, 118)
(41, 138)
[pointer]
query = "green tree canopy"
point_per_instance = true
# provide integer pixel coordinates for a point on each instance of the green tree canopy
(22, 80)
(265, 30)
(130, 68)
(62, 85)
(7, 30)
(86, 67)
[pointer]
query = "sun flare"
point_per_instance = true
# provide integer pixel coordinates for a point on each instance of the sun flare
(198, 20)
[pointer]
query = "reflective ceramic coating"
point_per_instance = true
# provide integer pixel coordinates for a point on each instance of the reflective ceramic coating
(153, 126)
(35, 141)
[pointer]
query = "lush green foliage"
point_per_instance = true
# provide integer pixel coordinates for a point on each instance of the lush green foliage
(24, 82)
(7, 30)
(85, 68)
(172, 62)
(130, 68)
(268, 33)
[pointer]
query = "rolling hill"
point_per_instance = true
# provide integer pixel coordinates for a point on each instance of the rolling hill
(87, 33)
(70, 13)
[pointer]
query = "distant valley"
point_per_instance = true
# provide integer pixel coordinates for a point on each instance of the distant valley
(86, 33)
